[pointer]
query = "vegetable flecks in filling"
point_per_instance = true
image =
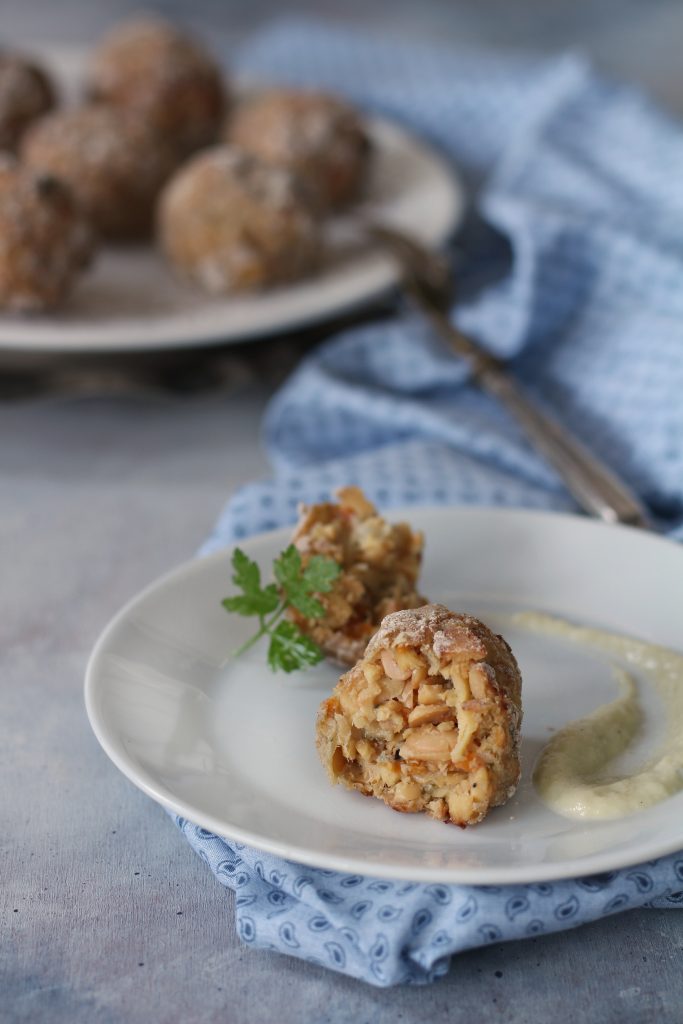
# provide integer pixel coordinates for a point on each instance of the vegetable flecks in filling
(380, 562)
(428, 725)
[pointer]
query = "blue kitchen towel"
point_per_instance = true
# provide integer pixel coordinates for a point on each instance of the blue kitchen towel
(393, 933)
(577, 184)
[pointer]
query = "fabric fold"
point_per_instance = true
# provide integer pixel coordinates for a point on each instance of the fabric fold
(392, 933)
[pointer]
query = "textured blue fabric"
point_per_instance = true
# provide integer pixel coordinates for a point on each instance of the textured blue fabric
(392, 933)
(581, 182)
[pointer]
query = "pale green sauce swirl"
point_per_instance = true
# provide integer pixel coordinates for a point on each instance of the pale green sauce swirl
(572, 771)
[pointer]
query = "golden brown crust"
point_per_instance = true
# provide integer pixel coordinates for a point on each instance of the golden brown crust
(380, 564)
(26, 93)
(150, 69)
(114, 166)
(318, 137)
(429, 719)
(44, 239)
(230, 223)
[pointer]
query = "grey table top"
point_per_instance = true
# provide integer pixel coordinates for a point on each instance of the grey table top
(106, 915)
(631, 39)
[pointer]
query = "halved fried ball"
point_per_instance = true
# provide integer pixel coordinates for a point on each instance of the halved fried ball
(380, 564)
(318, 137)
(428, 719)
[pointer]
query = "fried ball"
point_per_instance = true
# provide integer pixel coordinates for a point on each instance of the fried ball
(318, 137)
(44, 239)
(380, 564)
(26, 93)
(113, 164)
(151, 69)
(229, 223)
(429, 718)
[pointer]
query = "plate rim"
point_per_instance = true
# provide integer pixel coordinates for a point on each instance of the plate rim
(23, 335)
(569, 869)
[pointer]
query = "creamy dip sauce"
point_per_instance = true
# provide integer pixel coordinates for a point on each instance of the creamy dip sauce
(572, 771)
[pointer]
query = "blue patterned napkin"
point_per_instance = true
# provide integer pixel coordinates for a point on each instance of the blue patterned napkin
(579, 182)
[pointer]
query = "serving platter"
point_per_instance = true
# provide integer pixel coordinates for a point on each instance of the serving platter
(230, 746)
(130, 301)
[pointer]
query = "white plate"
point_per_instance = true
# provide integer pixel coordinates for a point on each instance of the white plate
(232, 749)
(130, 301)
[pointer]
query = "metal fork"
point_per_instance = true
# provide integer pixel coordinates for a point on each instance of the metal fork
(428, 280)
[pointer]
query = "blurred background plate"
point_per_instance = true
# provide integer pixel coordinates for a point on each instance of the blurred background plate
(130, 301)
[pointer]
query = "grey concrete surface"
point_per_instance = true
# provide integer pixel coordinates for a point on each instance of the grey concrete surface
(639, 40)
(106, 915)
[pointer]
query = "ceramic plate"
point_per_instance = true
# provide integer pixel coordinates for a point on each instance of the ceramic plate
(232, 748)
(130, 301)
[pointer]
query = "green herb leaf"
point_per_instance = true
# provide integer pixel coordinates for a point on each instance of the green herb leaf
(296, 587)
(305, 604)
(255, 600)
(320, 574)
(299, 585)
(261, 603)
(287, 567)
(246, 574)
(289, 649)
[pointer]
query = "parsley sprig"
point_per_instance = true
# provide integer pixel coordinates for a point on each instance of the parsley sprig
(296, 587)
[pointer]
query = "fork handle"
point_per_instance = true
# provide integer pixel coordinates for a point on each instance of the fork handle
(594, 486)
